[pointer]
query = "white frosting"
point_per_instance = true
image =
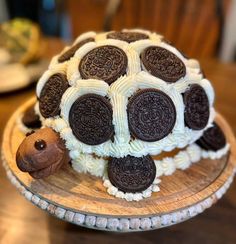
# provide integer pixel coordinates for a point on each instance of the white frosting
(182, 160)
(121, 90)
(194, 153)
(216, 154)
(112, 190)
(90, 34)
(54, 61)
(59, 68)
(21, 126)
(167, 166)
(87, 163)
(80, 38)
(118, 93)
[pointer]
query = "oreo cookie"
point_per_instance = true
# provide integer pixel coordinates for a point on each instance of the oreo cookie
(131, 174)
(90, 118)
(212, 139)
(30, 119)
(163, 64)
(50, 96)
(106, 63)
(197, 111)
(151, 115)
(70, 52)
(127, 36)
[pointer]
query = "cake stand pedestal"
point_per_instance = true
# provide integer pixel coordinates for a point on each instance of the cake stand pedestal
(82, 199)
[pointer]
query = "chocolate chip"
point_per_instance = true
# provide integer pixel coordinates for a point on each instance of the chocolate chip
(90, 118)
(31, 119)
(127, 36)
(40, 145)
(131, 174)
(196, 113)
(212, 139)
(106, 63)
(151, 115)
(50, 96)
(71, 52)
(163, 64)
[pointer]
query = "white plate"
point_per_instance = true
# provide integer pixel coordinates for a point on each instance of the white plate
(16, 76)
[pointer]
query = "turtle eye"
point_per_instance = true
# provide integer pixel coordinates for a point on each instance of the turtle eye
(40, 144)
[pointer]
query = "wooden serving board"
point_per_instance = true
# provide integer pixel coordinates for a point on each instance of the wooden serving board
(82, 199)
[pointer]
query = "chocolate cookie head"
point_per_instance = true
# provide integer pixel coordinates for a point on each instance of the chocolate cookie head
(30, 119)
(71, 51)
(151, 115)
(163, 64)
(213, 139)
(50, 96)
(131, 174)
(90, 118)
(127, 36)
(42, 153)
(197, 111)
(106, 63)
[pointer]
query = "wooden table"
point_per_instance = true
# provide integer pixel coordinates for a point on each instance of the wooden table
(22, 222)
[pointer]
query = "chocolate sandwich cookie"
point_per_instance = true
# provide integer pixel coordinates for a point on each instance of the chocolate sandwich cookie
(197, 111)
(163, 64)
(90, 118)
(70, 52)
(212, 139)
(127, 36)
(106, 63)
(172, 44)
(151, 115)
(50, 96)
(31, 119)
(131, 174)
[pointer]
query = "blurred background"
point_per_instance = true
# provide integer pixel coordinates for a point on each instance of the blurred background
(201, 28)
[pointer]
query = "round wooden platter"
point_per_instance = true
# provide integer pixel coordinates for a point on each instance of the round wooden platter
(82, 199)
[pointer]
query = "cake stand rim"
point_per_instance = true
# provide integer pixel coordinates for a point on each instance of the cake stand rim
(116, 222)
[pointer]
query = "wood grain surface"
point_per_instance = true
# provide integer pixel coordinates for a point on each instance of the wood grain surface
(22, 222)
(86, 194)
(183, 22)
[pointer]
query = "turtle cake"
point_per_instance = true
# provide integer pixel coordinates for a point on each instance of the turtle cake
(127, 107)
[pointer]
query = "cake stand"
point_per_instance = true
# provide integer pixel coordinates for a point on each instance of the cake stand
(82, 199)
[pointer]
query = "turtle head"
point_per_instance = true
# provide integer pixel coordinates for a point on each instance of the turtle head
(42, 153)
